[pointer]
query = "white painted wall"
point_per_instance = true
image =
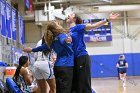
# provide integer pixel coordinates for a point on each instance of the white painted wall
(119, 44)
(33, 34)
(135, 46)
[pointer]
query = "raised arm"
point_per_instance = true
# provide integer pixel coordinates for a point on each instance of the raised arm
(40, 48)
(112, 16)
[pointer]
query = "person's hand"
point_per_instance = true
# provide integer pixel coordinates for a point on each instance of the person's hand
(27, 49)
(54, 59)
(117, 66)
(69, 39)
(113, 16)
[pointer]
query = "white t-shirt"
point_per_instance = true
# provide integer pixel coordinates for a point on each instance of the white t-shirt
(39, 43)
(39, 55)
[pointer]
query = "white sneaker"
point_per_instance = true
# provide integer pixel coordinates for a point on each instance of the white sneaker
(124, 84)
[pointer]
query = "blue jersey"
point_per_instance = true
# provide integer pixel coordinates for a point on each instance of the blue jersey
(122, 63)
(77, 34)
(64, 50)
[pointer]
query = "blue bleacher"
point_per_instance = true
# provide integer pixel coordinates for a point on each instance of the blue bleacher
(3, 64)
(12, 86)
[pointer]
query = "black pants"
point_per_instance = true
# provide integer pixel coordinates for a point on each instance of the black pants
(81, 75)
(63, 76)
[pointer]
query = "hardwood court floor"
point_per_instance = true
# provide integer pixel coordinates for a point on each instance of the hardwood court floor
(113, 85)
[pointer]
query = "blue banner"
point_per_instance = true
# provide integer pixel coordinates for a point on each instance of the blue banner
(21, 29)
(100, 34)
(3, 17)
(27, 3)
(14, 29)
(0, 19)
(19, 26)
(8, 20)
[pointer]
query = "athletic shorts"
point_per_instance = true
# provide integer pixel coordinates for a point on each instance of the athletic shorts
(122, 70)
(43, 70)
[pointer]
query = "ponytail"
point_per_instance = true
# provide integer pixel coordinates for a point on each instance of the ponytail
(22, 60)
(17, 73)
(48, 42)
(48, 38)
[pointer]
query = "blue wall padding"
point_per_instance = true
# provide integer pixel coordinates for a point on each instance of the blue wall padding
(105, 65)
